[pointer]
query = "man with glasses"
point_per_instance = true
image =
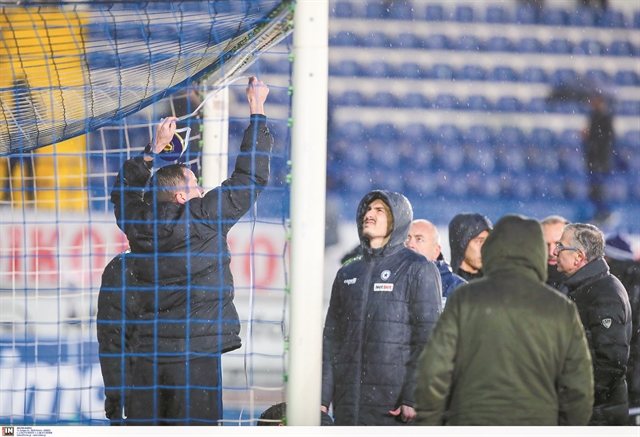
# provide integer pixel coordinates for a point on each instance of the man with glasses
(605, 313)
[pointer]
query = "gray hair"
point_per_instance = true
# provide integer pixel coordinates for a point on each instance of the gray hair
(588, 239)
(554, 220)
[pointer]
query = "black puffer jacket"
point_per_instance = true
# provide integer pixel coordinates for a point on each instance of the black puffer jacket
(605, 313)
(383, 307)
(181, 254)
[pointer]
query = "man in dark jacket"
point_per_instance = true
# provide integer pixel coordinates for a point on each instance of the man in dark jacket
(622, 264)
(605, 313)
(467, 233)
(552, 227)
(508, 349)
(179, 251)
(424, 238)
(383, 306)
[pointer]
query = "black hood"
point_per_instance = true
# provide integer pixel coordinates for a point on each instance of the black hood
(462, 229)
(402, 214)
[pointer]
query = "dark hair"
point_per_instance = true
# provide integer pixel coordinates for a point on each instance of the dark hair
(165, 181)
(273, 415)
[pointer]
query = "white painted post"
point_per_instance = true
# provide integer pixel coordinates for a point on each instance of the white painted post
(308, 196)
(215, 136)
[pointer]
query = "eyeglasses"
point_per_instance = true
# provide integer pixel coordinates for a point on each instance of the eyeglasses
(559, 248)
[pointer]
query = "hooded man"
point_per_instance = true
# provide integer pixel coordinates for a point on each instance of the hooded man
(508, 349)
(467, 233)
(383, 306)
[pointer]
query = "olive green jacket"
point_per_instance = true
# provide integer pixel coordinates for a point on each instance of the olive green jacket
(507, 349)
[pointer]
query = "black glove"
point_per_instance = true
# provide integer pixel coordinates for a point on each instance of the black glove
(113, 408)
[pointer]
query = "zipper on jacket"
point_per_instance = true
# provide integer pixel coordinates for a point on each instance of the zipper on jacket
(367, 284)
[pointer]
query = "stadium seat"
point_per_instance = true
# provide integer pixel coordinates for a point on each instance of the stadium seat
(415, 155)
(571, 138)
(344, 39)
(508, 104)
(537, 105)
(479, 135)
(554, 16)
(342, 9)
(452, 184)
(414, 100)
(437, 41)
(384, 99)
(627, 78)
(379, 69)
(376, 39)
(477, 103)
(567, 107)
(511, 136)
(447, 134)
(499, 44)
(450, 156)
(346, 67)
(616, 189)
(351, 98)
(503, 73)
(542, 138)
(407, 40)
(521, 187)
(576, 188)
(621, 48)
(612, 18)
(582, 17)
(375, 10)
(547, 186)
(598, 75)
(350, 130)
(401, 10)
(411, 70)
(420, 183)
(526, 14)
(590, 47)
(636, 20)
(471, 72)
(572, 160)
(469, 43)
(628, 107)
(542, 159)
(383, 157)
(385, 132)
(529, 45)
(446, 102)
(441, 72)
(563, 76)
(559, 46)
(510, 159)
(434, 13)
(415, 134)
(480, 157)
(496, 15)
(632, 139)
(464, 14)
(392, 179)
(534, 75)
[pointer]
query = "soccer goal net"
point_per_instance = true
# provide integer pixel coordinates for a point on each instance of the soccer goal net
(83, 86)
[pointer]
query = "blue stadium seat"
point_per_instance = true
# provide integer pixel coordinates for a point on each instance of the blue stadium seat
(383, 157)
(437, 41)
(571, 138)
(576, 188)
(521, 187)
(496, 15)
(342, 9)
(434, 13)
(376, 39)
(559, 46)
(612, 18)
(616, 189)
(563, 76)
(384, 99)
(571, 160)
(375, 10)
(480, 135)
(621, 48)
(583, 17)
(598, 75)
(420, 183)
(628, 107)
(511, 159)
(511, 136)
(385, 132)
(344, 39)
(351, 98)
(634, 186)
(414, 100)
(346, 67)
(503, 73)
(546, 186)
(411, 70)
(543, 160)
(464, 14)
(508, 104)
(416, 134)
(350, 130)
(391, 178)
(554, 16)
(499, 44)
(450, 157)
(441, 72)
(477, 103)
(628, 159)
(401, 10)
(447, 134)
(526, 14)
(636, 20)
(534, 75)
(542, 138)
(537, 105)
(529, 45)
(590, 47)
(567, 107)
(632, 139)
(380, 69)
(469, 43)
(407, 40)
(480, 157)
(627, 78)
(415, 155)
(471, 72)
(446, 102)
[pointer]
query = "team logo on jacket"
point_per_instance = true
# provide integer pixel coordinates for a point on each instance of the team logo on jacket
(350, 281)
(606, 323)
(385, 275)
(383, 287)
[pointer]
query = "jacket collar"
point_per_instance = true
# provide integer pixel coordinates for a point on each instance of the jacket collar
(590, 272)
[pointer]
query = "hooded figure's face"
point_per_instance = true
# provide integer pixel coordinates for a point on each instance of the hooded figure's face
(376, 223)
(472, 256)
